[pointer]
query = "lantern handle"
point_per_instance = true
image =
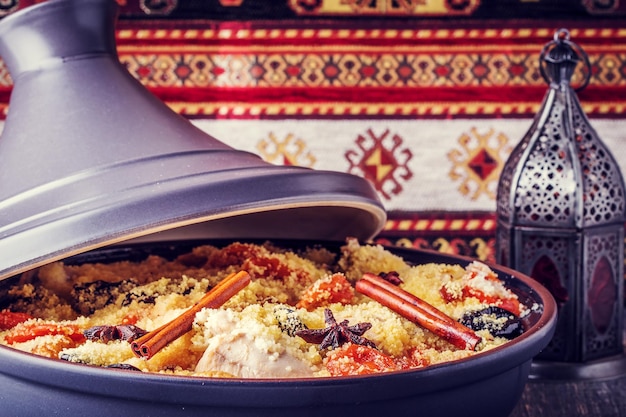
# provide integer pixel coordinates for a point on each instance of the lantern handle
(563, 36)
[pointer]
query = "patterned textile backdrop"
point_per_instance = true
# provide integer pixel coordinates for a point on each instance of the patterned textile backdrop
(425, 98)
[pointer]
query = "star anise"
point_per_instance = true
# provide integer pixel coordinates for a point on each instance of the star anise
(336, 334)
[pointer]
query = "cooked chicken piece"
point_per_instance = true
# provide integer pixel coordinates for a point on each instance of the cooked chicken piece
(246, 345)
(237, 353)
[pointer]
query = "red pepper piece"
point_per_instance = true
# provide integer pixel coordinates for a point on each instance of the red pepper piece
(10, 319)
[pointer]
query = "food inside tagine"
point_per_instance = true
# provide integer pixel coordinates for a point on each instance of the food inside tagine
(260, 311)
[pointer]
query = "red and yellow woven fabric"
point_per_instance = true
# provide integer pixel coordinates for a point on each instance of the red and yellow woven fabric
(424, 98)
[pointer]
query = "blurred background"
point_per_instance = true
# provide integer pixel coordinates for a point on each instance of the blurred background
(424, 98)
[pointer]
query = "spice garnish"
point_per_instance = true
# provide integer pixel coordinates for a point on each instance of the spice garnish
(336, 334)
(152, 342)
(108, 333)
(418, 311)
(392, 277)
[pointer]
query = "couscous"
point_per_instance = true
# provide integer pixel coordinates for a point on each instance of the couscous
(295, 314)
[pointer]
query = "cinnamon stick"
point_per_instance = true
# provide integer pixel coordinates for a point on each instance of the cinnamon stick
(152, 342)
(418, 311)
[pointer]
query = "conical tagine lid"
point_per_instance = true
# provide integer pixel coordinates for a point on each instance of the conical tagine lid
(90, 158)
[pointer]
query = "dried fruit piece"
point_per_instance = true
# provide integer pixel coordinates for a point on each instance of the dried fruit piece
(497, 321)
(24, 332)
(352, 359)
(127, 332)
(325, 291)
(10, 319)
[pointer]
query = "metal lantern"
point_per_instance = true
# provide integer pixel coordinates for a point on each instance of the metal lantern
(561, 211)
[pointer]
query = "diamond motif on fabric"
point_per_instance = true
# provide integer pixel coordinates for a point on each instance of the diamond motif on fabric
(288, 151)
(383, 160)
(312, 74)
(483, 164)
(182, 71)
(478, 164)
(405, 71)
(142, 67)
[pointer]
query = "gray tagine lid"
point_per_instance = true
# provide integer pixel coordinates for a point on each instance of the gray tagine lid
(90, 158)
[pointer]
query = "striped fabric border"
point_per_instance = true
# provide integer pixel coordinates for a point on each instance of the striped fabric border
(253, 70)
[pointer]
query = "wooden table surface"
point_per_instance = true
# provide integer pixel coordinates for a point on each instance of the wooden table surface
(597, 398)
(584, 397)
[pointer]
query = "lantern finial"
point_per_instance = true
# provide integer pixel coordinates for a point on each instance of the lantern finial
(559, 59)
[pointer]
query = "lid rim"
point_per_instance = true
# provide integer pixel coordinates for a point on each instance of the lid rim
(83, 245)
(348, 205)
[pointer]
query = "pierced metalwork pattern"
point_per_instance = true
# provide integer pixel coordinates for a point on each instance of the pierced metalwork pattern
(567, 179)
(557, 249)
(597, 343)
(603, 198)
(547, 186)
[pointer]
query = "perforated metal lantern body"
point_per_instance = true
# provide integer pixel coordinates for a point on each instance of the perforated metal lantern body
(560, 210)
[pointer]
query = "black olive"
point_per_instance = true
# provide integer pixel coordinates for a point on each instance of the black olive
(70, 357)
(124, 366)
(497, 321)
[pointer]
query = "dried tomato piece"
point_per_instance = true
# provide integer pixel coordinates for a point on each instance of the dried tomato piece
(447, 295)
(331, 289)
(232, 255)
(130, 318)
(482, 283)
(10, 319)
(511, 304)
(415, 359)
(351, 359)
(24, 332)
(270, 267)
